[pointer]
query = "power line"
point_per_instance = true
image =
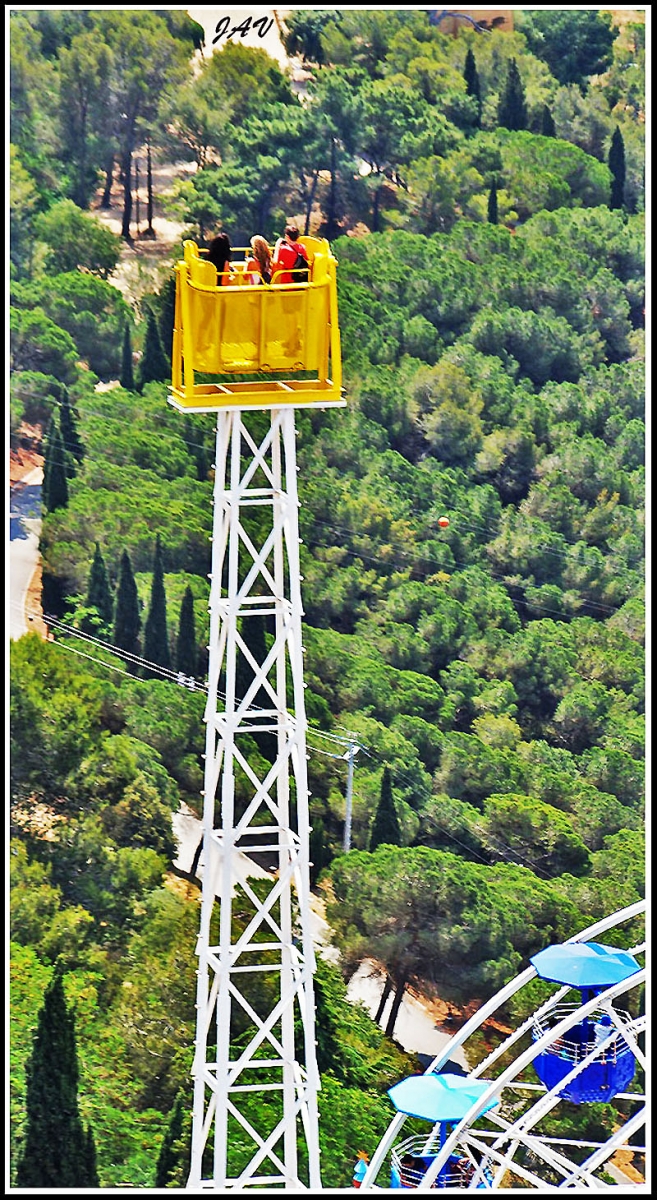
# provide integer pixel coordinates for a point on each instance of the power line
(463, 521)
(177, 678)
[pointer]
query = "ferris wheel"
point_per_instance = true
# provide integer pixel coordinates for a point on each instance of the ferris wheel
(497, 1126)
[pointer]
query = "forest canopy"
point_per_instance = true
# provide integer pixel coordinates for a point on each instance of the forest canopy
(484, 197)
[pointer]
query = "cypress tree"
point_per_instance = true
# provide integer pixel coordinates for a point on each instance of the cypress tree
(253, 634)
(186, 649)
(68, 427)
(156, 642)
(512, 108)
(169, 1156)
(57, 1150)
(617, 167)
(126, 376)
(99, 593)
(54, 490)
(548, 128)
(196, 449)
(385, 827)
(320, 853)
(492, 204)
(127, 619)
(471, 76)
(167, 314)
(154, 365)
(90, 1158)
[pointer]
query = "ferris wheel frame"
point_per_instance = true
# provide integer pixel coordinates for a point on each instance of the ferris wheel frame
(495, 1148)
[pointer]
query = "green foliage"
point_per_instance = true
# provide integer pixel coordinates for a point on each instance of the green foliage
(156, 641)
(126, 376)
(512, 110)
(75, 240)
(548, 128)
(520, 828)
(38, 344)
(493, 669)
(99, 594)
(55, 488)
(575, 43)
(168, 1158)
(431, 916)
(92, 311)
(617, 168)
(302, 34)
(186, 649)
(471, 78)
(492, 204)
(127, 616)
(153, 365)
(57, 1151)
(68, 427)
(385, 828)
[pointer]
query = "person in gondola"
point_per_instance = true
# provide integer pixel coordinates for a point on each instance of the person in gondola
(412, 1170)
(219, 252)
(258, 268)
(290, 258)
(464, 1170)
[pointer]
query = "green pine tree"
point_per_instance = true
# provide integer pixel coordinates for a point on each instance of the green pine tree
(186, 648)
(67, 424)
(127, 618)
(472, 87)
(617, 167)
(253, 633)
(169, 1156)
(385, 827)
(154, 365)
(167, 311)
(56, 1151)
(320, 852)
(512, 108)
(126, 375)
(99, 593)
(492, 204)
(548, 128)
(156, 641)
(90, 1158)
(54, 490)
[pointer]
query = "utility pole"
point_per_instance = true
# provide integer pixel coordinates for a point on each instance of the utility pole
(349, 756)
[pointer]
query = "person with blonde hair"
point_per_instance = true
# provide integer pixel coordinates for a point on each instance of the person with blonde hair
(259, 266)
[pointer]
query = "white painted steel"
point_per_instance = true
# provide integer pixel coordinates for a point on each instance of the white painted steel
(255, 573)
(499, 1145)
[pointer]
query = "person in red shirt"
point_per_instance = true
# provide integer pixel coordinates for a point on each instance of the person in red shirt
(285, 256)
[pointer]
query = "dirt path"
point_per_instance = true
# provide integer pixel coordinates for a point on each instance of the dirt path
(145, 262)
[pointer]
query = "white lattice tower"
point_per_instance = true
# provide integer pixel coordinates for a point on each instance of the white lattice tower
(255, 1052)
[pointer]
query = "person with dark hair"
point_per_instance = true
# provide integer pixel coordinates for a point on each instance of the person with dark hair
(219, 252)
(290, 263)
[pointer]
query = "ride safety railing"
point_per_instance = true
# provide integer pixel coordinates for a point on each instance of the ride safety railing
(240, 342)
(582, 1038)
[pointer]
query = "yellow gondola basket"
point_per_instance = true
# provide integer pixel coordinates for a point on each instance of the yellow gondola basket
(282, 339)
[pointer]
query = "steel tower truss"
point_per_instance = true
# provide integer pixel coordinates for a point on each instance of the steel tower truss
(255, 1071)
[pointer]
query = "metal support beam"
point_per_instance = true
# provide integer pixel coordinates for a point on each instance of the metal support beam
(255, 1071)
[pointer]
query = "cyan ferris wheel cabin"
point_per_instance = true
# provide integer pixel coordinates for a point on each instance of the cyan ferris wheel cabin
(270, 346)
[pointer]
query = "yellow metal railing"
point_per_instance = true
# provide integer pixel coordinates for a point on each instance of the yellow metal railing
(273, 333)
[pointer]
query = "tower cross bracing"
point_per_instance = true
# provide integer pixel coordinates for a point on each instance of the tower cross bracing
(255, 1070)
